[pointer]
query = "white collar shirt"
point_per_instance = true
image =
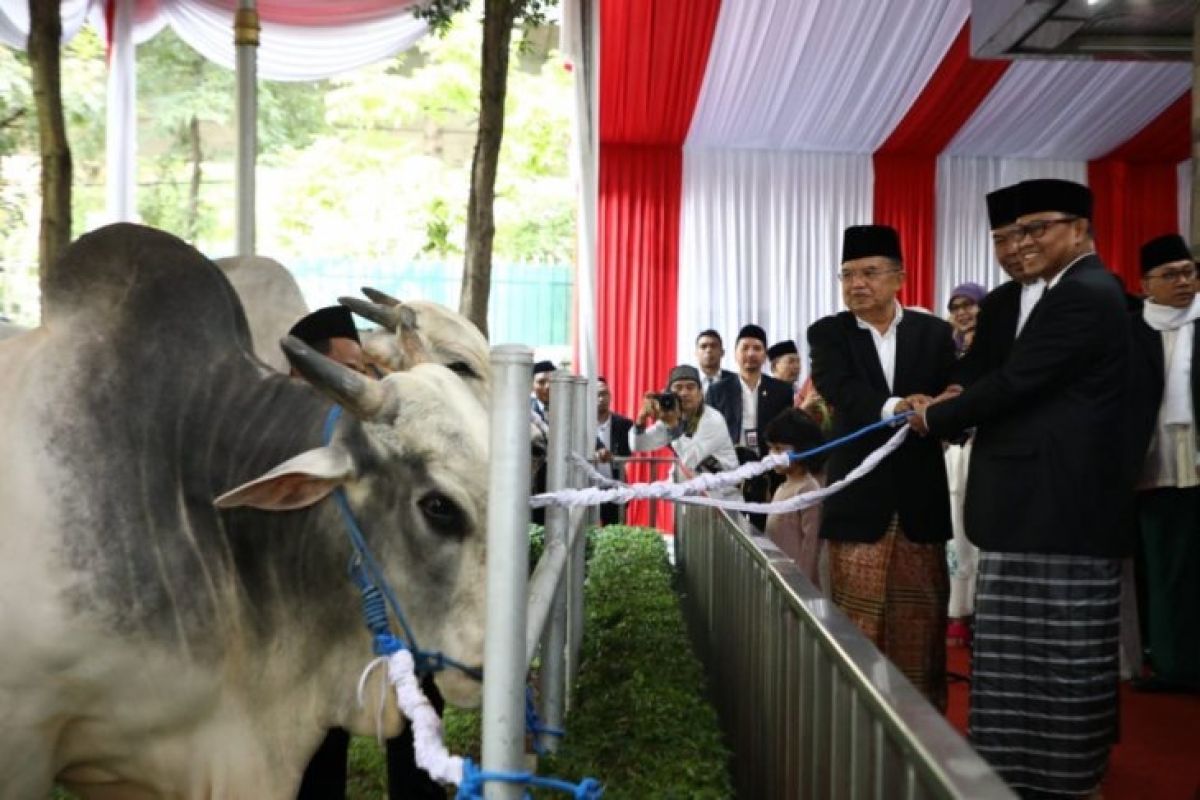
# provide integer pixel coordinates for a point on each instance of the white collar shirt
(1030, 294)
(749, 409)
(885, 344)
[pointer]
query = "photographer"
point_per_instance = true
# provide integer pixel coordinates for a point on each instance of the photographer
(696, 432)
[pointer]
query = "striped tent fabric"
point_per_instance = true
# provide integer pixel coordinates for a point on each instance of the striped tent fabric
(792, 120)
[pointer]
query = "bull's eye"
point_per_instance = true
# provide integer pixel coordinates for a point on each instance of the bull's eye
(462, 369)
(442, 513)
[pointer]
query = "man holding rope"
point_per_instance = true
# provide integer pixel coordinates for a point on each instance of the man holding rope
(887, 532)
(1049, 505)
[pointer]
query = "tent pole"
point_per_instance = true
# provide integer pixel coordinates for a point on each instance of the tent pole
(121, 128)
(245, 37)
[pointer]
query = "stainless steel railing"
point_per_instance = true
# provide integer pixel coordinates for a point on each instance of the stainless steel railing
(810, 707)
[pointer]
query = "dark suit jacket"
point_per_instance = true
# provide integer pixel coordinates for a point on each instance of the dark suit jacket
(995, 330)
(912, 481)
(774, 397)
(724, 375)
(618, 440)
(1149, 379)
(1049, 469)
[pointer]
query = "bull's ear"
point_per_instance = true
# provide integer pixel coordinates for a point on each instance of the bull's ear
(296, 483)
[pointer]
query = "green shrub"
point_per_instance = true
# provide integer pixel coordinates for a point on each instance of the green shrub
(640, 723)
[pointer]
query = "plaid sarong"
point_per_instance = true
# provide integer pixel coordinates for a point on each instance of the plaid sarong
(1044, 673)
(896, 592)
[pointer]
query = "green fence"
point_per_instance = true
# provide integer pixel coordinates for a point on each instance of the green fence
(529, 303)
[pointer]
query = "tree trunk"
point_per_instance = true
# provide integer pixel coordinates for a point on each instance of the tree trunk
(193, 205)
(498, 20)
(45, 31)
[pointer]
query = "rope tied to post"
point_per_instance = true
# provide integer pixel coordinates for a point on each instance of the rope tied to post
(474, 778)
(690, 492)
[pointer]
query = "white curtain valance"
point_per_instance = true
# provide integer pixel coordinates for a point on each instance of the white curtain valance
(300, 40)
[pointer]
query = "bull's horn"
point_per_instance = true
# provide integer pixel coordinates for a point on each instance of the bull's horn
(385, 316)
(407, 318)
(358, 394)
(383, 298)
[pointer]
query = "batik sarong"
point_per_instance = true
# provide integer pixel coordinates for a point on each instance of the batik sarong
(1045, 670)
(896, 591)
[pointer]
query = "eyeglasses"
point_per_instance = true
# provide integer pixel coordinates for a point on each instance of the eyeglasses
(1035, 230)
(869, 273)
(961, 305)
(1173, 275)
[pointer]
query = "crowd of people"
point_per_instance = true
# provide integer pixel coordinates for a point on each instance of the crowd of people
(1054, 436)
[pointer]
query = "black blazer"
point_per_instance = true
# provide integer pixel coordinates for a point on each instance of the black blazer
(619, 441)
(912, 481)
(995, 330)
(1049, 469)
(774, 397)
(1149, 379)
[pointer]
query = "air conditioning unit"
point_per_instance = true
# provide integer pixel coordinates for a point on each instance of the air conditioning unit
(1096, 29)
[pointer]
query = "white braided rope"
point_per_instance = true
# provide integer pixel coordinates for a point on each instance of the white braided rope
(431, 753)
(687, 491)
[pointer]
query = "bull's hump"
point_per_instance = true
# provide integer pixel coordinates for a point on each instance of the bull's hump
(146, 281)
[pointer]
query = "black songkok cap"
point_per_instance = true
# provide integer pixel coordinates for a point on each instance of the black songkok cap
(1051, 194)
(1002, 206)
(1164, 250)
(864, 241)
(752, 332)
(783, 348)
(331, 322)
(543, 366)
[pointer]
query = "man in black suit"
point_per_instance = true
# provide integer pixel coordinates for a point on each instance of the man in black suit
(1002, 314)
(748, 402)
(1166, 352)
(754, 399)
(1049, 505)
(709, 352)
(887, 532)
(612, 439)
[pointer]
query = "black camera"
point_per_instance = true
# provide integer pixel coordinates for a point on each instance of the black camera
(667, 401)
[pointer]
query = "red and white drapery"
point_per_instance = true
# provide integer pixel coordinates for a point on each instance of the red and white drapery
(817, 115)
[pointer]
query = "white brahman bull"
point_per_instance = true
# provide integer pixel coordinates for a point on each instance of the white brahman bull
(271, 300)
(159, 642)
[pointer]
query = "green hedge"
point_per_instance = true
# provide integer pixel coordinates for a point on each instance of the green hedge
(641, 723)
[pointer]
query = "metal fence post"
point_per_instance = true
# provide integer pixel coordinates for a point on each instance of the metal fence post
(559, 474)
(507, 568)
(576, 558)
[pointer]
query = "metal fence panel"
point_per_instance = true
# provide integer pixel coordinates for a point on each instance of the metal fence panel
(811, 708)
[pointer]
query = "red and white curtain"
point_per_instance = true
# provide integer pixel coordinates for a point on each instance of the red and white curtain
(808, 117)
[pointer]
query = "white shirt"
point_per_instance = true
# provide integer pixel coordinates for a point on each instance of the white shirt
(749, 408)
(604, 434)
(710, 439)
(1030, 294)
(885, 347)
(707, 380)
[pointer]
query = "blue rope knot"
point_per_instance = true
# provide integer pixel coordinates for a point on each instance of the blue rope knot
(471, 786)
(534, 725)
